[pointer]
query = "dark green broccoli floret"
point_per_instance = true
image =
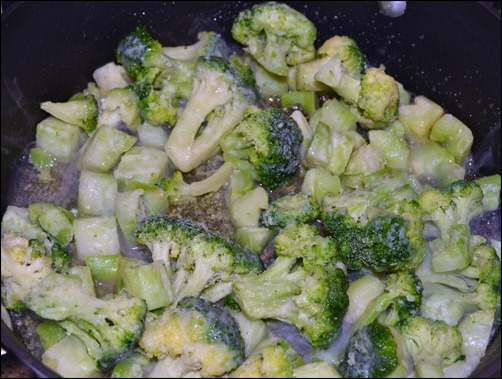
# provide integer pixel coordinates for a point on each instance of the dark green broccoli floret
(370, 353)
(140, 54)
(304, 286)
(196, 257)
(295, 208)
(276, 35)
(61, 257)
(376, 228)
(268, 139)
(215, 106)
(204, 335)
(109, 328)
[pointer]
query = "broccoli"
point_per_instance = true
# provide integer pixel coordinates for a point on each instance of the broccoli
(24, 265)
(378, 227)
(215, 106)
(378, 101)
(200, 258)
(400, 299)
(131, 366)
(268, 139)
(204, 335)
(208, 43)
(353, 59)
(297, 208)
(276, 35)
(370, 353)
(316, 369)
(272, 358)
(80, 112)
(109, 328)
(178, 190)
(433, 345)
(305, 286)
(54, 220)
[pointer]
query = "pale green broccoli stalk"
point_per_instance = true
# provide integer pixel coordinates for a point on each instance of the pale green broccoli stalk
(59, 141)
(70, 359)
(305, 100)
(454, 136)
(122, 103)
(205, 335)
(433, 345)
(292, 208)
(196, 257)
(270, 140)
(400, 300)
(304, 286)
(53, 219)
(49, 332)
(490, 185)
(178, 190)
(131, 366)
(81, 112)
(419, 117)
(317, 369)
(215, 106)
(272, 358)
(276, 35)
(378, 227)
(371, 352)
(109, 328)
(23, 268)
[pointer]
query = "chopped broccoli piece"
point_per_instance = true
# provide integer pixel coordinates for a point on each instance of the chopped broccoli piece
(205, 335)
(199, 257)
(276, 35)
(268, 139)
(24, 265)
(208, 43)
(371, 353)
(131, 366)
(353, 59)
(215, 106)
(109, 328)
(272, 358)
(53, 219)
(82, 112)
(304, 286)
(287, 209)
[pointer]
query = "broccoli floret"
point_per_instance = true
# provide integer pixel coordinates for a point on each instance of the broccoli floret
(433, 345)
(378, 227)
(316, 369)
(140, 54)
(272, 358)
(353, 59)
(196, 257)
(268, 139)
(294, 208)
(370, 353)
(215, 106)
(208, 43)
(109, 328)
(304, 286)
(158, 107)
(276, 35)
(178, 190)
(378, 101)
(61, 257)
(80, 112)
(24, 265)
(400, 300)
(206, 336)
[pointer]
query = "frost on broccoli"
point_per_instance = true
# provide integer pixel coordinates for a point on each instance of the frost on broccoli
(215, 106)
(276, 35)
(304, 286)
(205, 336)
(196, 258)
(270, 140)
(108, 328)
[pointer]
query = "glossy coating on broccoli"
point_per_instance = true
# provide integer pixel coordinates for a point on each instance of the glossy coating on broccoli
(287, 209)
(370, 353)
(215, 106)
(276, 35)
(109, 328)
(204, 334)
(198, 258)
(270, 140)
(353, 59)
(304, 286)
